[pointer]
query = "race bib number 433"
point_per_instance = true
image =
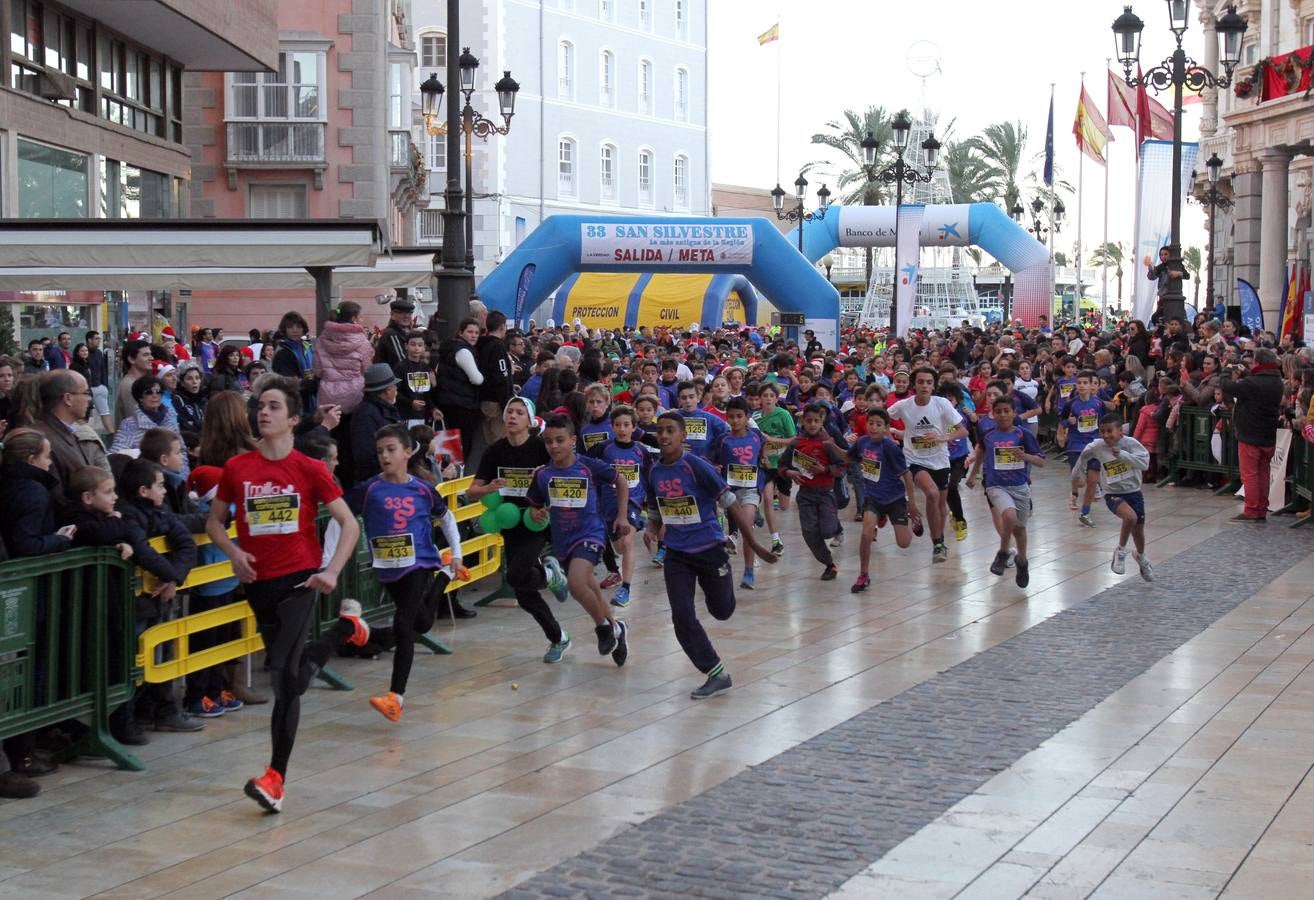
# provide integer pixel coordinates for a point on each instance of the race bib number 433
(570, 493)
(276, 514)
(393, 551)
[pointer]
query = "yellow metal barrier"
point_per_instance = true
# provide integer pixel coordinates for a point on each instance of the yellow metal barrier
(207, 574)
(451, 490)
(489, 548)
(176, 632)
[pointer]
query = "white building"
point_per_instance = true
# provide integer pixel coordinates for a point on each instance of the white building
(611, 116)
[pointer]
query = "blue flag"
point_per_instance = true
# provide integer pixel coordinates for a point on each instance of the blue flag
(1252, 313)
(1049, 145)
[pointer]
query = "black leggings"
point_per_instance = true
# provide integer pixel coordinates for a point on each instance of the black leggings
(467, 421)
(525, 576)
(283, 614)
(414, 596)
(957, 469)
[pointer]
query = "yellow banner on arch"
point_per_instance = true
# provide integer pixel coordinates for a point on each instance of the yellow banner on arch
(674, 301)
(599, 299)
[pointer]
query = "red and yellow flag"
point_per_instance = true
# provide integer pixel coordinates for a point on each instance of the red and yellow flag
(771, 34)
(1090, 129)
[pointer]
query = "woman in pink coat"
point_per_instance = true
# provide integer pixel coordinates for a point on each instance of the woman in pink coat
(342, 354)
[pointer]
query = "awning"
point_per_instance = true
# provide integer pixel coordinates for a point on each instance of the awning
(401, 270)
(185, 243)
(209, 37)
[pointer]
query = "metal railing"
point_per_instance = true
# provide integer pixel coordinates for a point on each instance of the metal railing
(276, 142)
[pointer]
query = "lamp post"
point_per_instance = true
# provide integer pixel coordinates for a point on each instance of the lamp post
(898, 174)
(1177, 72)
(799, 212)
(1043, 232)
(1215, 199)
(454, 263)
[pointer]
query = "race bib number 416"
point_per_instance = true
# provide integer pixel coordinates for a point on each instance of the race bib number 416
(276, 514)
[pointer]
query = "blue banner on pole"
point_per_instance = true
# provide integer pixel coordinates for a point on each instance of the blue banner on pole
(1252, 314)
(1049, 145)
(522, 291)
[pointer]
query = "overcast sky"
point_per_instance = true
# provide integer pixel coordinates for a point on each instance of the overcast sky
(996, 62)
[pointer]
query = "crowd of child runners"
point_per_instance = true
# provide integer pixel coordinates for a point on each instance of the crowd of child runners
(693, 444)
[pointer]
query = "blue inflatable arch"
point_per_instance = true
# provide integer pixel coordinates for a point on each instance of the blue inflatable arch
(981, 225)
(754, 248)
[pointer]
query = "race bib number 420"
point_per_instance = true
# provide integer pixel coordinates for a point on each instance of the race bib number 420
(678, 510)
(276, 514)
(570, 493)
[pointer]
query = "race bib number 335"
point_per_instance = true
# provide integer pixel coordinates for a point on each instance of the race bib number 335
(277, 514)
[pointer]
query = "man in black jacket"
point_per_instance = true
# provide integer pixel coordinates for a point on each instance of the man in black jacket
(498, 387)
(1258, 399)
(392, 343)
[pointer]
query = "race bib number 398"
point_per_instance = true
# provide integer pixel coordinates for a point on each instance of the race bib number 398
(277, 514)
(517, 481)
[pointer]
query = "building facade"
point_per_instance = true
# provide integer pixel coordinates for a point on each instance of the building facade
(92, 112)
(1264, 137)
(611, 116)
(326, 134)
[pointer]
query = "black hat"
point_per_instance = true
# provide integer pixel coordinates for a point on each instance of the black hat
(379, 377)
(402, 304)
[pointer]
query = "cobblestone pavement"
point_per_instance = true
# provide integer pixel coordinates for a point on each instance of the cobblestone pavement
(803, 822)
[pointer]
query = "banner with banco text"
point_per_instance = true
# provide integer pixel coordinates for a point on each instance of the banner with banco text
(1154, 206)
(907, 262)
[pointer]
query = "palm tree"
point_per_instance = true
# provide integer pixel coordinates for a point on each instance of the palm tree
(855, 184)
(1111, 254)
(1000, 148)
(969, 175)
(1191, 259)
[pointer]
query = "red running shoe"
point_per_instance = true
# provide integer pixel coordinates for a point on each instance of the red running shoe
(267, 790)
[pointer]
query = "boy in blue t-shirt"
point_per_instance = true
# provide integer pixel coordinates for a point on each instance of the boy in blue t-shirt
(1081, 415)
(887, 489)
(684, 492)
(628, 457)
(595, 430)
(569, 486)
(738, 455)
(701, 428)
(1007, 453)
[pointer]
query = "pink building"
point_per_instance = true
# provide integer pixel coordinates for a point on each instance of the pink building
(326, 136)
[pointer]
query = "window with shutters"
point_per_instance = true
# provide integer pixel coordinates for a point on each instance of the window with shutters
(433, 52)
(645, 87)
(276, 201)
(566, 167)
(278, 117)
(607, 78)
(645, 177)
(437, 159)
(681, 95)
(681, 182)
(607, 173)
(566, 70)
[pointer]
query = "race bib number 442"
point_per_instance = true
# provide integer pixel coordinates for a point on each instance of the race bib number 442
(276, 514)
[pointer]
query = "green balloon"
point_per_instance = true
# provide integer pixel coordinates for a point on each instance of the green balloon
(492, 500)
(489, 522)
(533, 525)
(508, 514)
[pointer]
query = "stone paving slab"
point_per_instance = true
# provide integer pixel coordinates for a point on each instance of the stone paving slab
(803, 822)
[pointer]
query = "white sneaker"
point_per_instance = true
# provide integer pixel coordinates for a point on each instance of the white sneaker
(1147, 567)
(1119, 565)
(1072, 501)
(837, 540)
(556, 579)
(350, 609)
(1012, 559)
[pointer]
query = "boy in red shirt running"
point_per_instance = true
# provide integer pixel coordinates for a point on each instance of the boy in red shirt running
(278, 492)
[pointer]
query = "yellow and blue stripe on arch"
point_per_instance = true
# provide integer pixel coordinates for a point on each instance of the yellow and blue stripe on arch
(633, 299)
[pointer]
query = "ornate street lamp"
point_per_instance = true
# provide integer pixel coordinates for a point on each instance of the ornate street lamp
(1177, 72)
(1215, 199)
(798, 213)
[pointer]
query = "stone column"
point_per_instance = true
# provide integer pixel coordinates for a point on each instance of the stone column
(1244, 243)
(1276, 164)
(1209, 115)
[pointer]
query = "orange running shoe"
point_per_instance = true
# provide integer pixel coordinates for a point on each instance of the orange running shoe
(267, 790)
(351, 612)
(389, 705)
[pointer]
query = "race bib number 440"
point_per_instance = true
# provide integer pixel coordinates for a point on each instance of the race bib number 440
(569, 493)
(276, 514)
(678, 510)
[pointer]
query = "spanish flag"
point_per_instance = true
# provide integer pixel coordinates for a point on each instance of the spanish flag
(1292, 317)
(1090, 129)
(771, 34)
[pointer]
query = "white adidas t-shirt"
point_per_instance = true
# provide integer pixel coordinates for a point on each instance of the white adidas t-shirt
(938, 415)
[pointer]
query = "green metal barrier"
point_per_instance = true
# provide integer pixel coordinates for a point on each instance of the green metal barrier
(1191, 449)
(67, 646)
(1300, 474)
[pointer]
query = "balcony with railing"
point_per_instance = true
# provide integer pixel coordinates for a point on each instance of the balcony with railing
(282, 144)
(399, 149)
